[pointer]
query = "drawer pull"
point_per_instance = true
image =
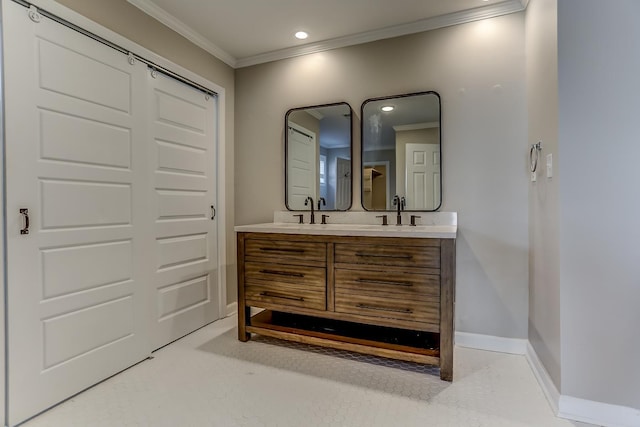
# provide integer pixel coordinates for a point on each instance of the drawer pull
(286, 250)
(362, 254)
(282, 273)
(395, 310)
(272, 295)
(384, 282)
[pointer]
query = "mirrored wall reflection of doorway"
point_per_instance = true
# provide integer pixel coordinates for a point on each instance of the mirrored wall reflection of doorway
(343, 183)
(376, 185)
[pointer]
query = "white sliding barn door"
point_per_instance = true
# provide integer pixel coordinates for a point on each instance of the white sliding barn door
(182, 154)
(76, 159)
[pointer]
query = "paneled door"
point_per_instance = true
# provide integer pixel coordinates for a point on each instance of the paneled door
(182, 154)
(76, 185)
(423, 176)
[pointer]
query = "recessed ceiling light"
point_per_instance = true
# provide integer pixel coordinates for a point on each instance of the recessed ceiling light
(301, 35)
(387, 108)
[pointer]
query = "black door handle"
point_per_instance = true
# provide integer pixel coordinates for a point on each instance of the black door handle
(25, 213)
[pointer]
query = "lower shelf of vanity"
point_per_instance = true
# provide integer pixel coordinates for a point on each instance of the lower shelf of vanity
(392, 343)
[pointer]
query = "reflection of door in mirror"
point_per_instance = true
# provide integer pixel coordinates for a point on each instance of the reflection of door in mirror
(418, 158)
(302, 155)
(423, 173)
(343, 183)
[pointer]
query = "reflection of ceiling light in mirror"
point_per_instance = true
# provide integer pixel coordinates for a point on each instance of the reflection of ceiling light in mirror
(301, 35)
(387, 108)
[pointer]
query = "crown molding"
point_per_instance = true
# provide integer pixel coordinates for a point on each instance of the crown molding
(416, 126)
(315, 113)
(184, 30)
(456, 18)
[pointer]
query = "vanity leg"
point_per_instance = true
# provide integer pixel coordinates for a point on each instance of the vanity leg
(447, 304)
(244, 314)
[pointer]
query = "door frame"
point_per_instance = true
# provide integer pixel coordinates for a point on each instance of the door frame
(221, 205)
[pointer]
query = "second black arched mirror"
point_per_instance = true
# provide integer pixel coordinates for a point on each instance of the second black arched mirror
(401, 146)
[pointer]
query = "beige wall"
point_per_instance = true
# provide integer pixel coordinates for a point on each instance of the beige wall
(478, 69)
(544, 211)
(128, 21)
(598, 107)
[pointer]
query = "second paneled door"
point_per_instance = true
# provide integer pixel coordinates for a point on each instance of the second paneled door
(182, 210)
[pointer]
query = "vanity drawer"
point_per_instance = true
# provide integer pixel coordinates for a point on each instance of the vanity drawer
(275, 274)
(407, 313)
(286, 251)
(283, 297)
(381, 284)
(268, 285)
(391, 255)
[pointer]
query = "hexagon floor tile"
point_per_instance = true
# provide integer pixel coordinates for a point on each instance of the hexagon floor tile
(209, 378)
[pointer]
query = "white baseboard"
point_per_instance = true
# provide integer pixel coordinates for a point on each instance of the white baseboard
(232, 308)
(573, 408)
(548, 387)
(598, 413)
(491, 343)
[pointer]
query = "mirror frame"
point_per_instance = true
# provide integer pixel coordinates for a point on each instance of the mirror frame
(286, 153)
(362, 125)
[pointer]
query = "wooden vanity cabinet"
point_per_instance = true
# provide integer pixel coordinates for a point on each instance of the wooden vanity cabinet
(387, 296)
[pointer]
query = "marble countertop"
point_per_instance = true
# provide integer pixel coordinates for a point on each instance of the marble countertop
(370, 230)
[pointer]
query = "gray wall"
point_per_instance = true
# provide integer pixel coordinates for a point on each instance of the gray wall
(599, 110)
(478, 70)
(544, 211)
(130, 22)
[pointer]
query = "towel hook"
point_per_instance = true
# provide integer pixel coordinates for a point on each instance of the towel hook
(533, 155)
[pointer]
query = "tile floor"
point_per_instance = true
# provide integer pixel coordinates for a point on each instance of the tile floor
(209, 378)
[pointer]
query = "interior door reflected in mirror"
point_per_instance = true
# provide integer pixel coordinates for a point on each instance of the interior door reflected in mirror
(401, 145)
(318, 157)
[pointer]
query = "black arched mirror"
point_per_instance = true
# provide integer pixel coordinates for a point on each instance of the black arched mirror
(318, 157)
(401, 146)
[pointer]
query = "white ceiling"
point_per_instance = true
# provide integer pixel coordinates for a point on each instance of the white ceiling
(248, 32)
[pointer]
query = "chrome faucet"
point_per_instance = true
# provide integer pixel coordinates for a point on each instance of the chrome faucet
(306, 203)
(323, 201)
(399, 203)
